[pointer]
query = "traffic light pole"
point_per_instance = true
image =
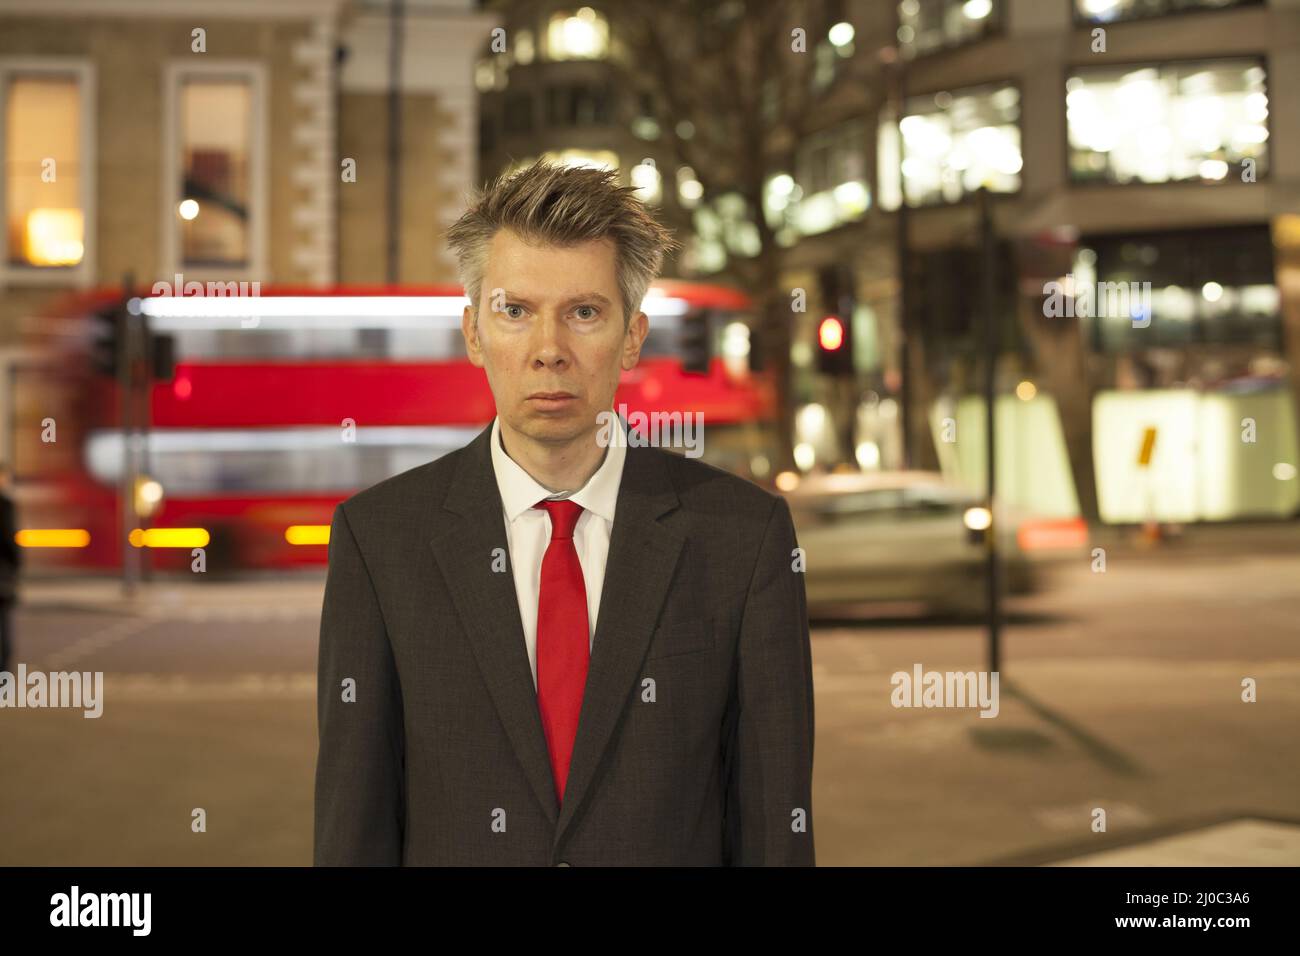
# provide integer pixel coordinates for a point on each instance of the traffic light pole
(145, 397)
(126, 367)
(988, 273)
(896, 72)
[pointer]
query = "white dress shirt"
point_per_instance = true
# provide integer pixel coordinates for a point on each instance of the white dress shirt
(528, 530)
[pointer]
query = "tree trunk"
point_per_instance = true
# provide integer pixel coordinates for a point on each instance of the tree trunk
(1062, 367)
(775, 324)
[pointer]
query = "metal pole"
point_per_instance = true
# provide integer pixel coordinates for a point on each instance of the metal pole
(394, 197)
(988, 272)
(145, 418)
(126, 353)
(898, 73)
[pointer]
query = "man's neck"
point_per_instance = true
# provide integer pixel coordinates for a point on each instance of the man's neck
(557, 468)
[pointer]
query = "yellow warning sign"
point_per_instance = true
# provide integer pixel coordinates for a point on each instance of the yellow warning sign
(1148, 446)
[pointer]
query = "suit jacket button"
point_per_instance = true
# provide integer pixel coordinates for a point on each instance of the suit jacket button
(562, 863)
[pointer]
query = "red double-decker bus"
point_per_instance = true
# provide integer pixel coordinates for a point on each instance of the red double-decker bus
(284, 403)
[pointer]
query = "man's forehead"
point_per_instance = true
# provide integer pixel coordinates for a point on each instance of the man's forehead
(537, 269)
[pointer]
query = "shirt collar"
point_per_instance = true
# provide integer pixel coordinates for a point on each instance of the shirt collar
(520, 491)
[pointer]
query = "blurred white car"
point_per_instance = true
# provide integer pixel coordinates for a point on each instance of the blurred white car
(914, 537)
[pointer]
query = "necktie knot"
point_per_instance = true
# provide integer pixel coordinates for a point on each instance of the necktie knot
(564, 514)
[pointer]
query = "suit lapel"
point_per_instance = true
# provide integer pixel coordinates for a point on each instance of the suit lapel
(642, 558)
(470, 528)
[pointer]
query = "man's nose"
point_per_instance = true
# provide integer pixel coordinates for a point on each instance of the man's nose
(550, 339)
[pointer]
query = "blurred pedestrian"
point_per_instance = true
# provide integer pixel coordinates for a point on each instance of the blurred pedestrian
(11, 560)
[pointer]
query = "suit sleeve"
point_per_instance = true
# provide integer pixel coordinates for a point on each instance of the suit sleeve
(11, 551)
(769, 728)
(360, 766)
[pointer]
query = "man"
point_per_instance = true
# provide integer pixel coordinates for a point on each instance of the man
(11, 561)
(549, 648)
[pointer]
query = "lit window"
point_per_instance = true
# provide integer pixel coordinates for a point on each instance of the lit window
(524, 47)
(648, 182)
(952, 144)
(577, 35)
(1198, 287)
(596, 159)
(689, 189)
(1108, 11)
(215, 134)
(1167, 123)
(928, 25)
(46, 189)
(215, 181)
(829, 187)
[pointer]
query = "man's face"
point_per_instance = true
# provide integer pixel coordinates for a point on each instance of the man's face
(551, 321)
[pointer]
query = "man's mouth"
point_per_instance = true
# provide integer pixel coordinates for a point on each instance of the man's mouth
(551, 401)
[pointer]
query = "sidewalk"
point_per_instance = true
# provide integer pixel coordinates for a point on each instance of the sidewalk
(1202, 540)
(299, 591)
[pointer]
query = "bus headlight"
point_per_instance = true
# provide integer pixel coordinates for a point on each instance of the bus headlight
(148, 496)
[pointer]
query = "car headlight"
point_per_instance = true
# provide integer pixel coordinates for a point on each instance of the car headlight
(977, 518)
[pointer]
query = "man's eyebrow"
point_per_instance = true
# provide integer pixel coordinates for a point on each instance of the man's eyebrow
(587, 297)
(509, 296)
(580, 297)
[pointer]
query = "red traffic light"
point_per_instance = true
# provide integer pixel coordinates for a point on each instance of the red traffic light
(830, 334)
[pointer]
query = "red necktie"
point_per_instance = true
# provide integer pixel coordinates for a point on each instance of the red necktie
(563, 640)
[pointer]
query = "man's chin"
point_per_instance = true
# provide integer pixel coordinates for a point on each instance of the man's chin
(556, 426)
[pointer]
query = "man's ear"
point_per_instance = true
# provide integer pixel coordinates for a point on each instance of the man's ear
(637, 330)
(469, 329)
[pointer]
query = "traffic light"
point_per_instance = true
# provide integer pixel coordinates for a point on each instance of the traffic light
(834, 352)
(162, 356)
(696, 342)
(109, 327)
(834, 332)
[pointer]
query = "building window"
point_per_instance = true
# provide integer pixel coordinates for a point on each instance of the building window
(952, 144)
(942, 306)
(645, 125)
(518, 113)
(577, 105)
(216, 205)
(595, 159)
(829, 187)
(929, 25)
(577, 35)
(1175, 122)
(485, 74)
(524, 49)
(47, 143)
(648, 181)
(1110, 11)
(1174, 289)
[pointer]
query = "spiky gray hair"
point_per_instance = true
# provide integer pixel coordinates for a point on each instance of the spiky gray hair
(564, 205)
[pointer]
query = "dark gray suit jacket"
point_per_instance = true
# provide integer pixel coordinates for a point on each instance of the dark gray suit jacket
(695, 739)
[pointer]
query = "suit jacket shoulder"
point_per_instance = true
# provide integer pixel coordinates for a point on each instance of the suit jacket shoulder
(706, 489)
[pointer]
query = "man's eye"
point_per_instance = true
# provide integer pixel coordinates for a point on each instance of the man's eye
(511, 313)
(591, 311)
